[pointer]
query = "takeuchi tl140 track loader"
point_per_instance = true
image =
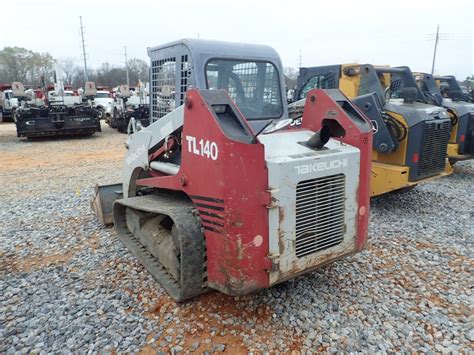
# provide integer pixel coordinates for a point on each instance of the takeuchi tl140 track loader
(451, 96)
(223, 191)
(410, 136)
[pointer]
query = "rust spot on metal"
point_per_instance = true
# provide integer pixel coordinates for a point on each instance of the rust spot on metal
(281, 214)
(321, 261)
(238, 223)
(240, 247)
(281, 235)
(188, 101)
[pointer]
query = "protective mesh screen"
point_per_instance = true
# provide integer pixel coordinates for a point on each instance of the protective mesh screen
(163, 82)
(396, 86)
(185, 77)
(253, 86)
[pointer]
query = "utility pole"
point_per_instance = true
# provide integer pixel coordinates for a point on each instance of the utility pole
(126, 66)
(435, 48)
(86, 73)
(300, 59)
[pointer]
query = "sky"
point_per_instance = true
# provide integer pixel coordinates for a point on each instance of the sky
(324, 32)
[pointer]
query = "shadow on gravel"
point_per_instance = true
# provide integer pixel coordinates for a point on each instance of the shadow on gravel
(60, 138)
(410, 200)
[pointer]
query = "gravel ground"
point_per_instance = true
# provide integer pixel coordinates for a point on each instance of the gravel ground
(68, 284)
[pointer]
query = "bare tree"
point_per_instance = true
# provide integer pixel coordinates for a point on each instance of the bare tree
(20, 64)
(291, 77)
(138, 70)
(79, 77)
(110, 75)
(69, 67)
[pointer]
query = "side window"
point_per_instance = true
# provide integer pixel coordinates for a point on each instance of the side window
(253, 85)
(424, 87)
(322, 81)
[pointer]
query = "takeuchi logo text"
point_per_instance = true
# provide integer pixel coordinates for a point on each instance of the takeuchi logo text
(321, 166)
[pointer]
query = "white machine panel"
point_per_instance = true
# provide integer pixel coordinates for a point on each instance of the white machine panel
(314, 210)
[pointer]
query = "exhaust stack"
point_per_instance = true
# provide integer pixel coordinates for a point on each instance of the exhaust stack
(320, 138)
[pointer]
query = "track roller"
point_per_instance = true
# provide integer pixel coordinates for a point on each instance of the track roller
(163, 232)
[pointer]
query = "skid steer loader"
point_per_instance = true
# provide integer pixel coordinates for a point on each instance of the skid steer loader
(223, 191)
(461, 141)
(410, 136)
(451, 89)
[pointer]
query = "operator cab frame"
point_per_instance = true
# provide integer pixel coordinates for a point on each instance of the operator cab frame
(251, 74)
(451, 89)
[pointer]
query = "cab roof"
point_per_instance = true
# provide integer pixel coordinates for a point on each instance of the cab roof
(221, 49)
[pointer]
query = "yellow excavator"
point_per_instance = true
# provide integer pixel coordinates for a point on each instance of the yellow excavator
(410, 136)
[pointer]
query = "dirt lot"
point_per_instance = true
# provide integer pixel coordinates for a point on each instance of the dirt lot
(68, 284)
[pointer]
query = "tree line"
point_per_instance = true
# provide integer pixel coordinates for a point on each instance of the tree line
(29, 67)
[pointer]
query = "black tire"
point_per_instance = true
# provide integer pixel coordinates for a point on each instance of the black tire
(122, 125)
(115, 117)
(100, 113)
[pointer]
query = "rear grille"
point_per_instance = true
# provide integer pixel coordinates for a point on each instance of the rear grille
(435, 142)
(320, 207)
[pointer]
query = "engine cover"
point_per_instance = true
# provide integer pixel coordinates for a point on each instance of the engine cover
(313, 216)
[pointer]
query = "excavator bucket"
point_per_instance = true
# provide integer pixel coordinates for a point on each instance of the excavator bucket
(103, 201)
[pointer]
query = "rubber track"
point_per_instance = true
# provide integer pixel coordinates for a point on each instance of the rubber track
(192, 245)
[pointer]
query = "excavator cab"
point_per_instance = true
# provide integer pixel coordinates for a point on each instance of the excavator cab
(461, 111)
(223, 190)
(410, 136)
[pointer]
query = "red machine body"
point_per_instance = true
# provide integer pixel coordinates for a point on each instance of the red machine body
(229, 187)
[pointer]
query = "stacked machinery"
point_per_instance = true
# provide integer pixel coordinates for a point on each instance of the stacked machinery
(223, 191)
(410, 136)
(58, 118)
(128, 106)
(450, 96)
